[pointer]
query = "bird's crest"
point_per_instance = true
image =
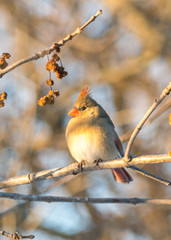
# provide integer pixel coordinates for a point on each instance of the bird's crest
(84, 92)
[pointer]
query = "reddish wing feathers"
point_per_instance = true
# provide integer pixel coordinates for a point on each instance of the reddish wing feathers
(120, 174)
(119, 144)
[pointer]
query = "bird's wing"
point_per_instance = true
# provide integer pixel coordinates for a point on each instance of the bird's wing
(118, 144)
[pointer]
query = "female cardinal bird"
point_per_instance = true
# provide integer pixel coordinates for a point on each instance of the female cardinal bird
(91, 135)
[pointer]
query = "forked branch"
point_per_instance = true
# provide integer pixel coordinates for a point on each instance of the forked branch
(47, 51)
(165, 92)
(74, 169)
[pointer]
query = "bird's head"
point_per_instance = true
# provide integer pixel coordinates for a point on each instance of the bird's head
(84, 106)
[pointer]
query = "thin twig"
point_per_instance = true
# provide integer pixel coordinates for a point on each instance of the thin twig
(15, 236)
(47, 51)
(74, 169)
(50, 199)
(165, 92)
(43, 190)
(150, 175)
(162, 109)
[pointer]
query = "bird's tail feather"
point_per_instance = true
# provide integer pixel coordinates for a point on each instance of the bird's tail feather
(121, 175)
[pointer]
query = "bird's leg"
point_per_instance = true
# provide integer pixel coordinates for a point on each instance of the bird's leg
(81, 164)
(80, 167)
(97, 161)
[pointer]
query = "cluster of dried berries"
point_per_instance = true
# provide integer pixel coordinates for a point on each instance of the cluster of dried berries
(53, 66)
(3, 96)
(3, 62)
(49, 98)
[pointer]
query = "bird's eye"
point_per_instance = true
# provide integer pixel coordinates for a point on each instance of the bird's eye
(82, 108)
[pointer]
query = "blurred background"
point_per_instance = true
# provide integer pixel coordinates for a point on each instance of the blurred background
(125, 57)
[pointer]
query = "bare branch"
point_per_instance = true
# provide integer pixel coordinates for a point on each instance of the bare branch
(47, 51)
(162, 109)
(15, 236)
(150, 175)
(49, 199)
(74, 169)
(165, 92)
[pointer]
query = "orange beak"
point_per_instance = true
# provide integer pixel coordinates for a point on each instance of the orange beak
(74, 112)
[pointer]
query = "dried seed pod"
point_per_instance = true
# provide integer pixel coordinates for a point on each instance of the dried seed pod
(3, 95)
(50, 64)
(55, 67)
(6, 55)
(3, 63)
(56, 47)
(1, 103)
(51, 92)
(50, 82)
(51, 99)
(56, 93)
(64, 74)
(61, 69)
(42, 101)
(55, 57)
(58, 75)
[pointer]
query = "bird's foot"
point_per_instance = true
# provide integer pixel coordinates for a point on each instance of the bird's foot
(128, 159)
(97, 161)
(81, 164)
(80, 167)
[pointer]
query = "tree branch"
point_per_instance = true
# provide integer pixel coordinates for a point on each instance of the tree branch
(150, 175)
(47, 51)
(50, 199)
(165, 92)
(162, 109)
(15, 236)
(74, 169)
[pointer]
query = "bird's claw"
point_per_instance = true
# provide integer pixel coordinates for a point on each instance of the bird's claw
(80, 167)
(97, 161)
(81, 164)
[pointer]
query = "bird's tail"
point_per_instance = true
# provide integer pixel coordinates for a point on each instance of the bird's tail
(121, 175)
